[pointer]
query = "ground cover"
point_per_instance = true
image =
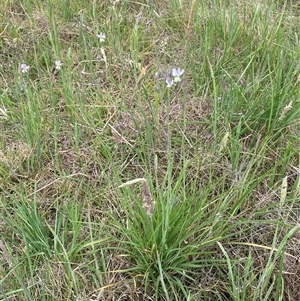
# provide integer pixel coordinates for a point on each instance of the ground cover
(149, 150)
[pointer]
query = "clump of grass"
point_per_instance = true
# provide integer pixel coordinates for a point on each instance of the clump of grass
(168, 248)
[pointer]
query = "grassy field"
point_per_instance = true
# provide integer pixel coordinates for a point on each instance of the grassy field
(149, 150)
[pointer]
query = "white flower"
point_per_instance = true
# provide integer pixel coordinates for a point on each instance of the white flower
(176, 73)
(58, 64)
(101, 37)
(24, 68)
(169, 81)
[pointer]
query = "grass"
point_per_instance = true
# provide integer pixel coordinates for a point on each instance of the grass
(114, 186)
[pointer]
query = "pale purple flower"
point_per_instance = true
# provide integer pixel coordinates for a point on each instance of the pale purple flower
(139, 17)
(101, 37)
(169, 81)
(24, 68)
(58, 64)
(176, 73)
